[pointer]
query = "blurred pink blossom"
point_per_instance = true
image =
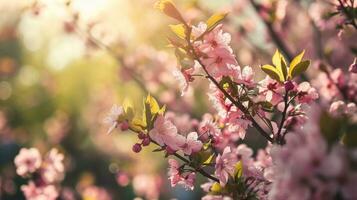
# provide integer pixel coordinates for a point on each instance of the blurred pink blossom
(27, 161)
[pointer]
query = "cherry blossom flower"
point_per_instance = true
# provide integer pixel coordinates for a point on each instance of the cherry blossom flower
(174, 174)
(225, 165)
(270, 90)
(338, 108)
(176, 178)
(165, 133)
(199, 29)
(217, 60)
(306, 93)
(184, 77)
(242, 76)
(236, 123)
(207, 127)
(54, 167)
(192, 144)
(33, 192)
(215, 39)
(27, 161)
(113, 116)
(188, 181)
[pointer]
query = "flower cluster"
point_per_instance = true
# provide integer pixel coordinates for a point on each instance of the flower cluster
(303, 152)
(308, 167)
(44, 173)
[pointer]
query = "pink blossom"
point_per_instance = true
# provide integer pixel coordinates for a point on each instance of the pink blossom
(305, 168)
(53, 169)
(225, 165)
(208, 127)
(237, 124)
(199, 29)
(192, 144)
(339, 108)
(207, 186)
(188, 181)
(165, 133)
(217, 60)
(338, 77)
(306, 93)
(184, 77)
(242, 76)
(113, 116)
(27, 161)
(147, 185)
(176, 178)
(270, 90)
(174, 174)
(32, 192)
(218, 101)
(216, 39)
(184, 123)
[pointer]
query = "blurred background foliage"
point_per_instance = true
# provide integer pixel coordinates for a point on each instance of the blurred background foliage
(56, 83)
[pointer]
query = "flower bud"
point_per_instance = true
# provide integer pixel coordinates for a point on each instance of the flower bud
(136, 148)
(353, 67)
(146, 141)
(169, 150)
(141, 136)
(124, 126)
(289, 85)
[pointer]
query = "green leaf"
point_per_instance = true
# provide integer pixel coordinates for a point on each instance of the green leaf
(137, 124)
(280, 64)
(238, 171)
(152, 103)
(179, 30)
(299, 68)
(169, 8)
(273, 72)
(151, 110)
(216, 188)
(207, 145)
(297, 59)
(214, 20)
(208, 160)
(276, 58)
(283, 69)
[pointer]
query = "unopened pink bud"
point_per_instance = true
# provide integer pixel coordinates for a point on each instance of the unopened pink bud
(289, 85)
(146, 141)
(141, 136)
(124, 126)
(136, 148)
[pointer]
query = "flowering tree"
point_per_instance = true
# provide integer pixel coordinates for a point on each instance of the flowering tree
(303, 159)
(308, 123)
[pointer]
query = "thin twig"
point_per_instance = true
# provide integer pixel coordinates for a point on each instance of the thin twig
(274, 36)
(279, 137)
(188, 162)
